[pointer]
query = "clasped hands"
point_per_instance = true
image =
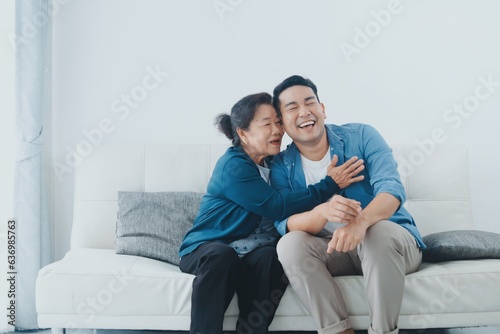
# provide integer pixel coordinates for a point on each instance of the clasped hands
(344, 210)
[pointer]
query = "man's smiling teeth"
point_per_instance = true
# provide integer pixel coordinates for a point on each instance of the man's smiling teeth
(306, 124)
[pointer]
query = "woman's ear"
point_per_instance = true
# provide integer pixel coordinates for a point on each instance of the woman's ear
(242, 134)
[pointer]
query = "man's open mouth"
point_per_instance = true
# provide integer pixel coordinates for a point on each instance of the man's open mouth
(306, 124)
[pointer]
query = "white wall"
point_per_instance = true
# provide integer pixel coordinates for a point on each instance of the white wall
(419, 62)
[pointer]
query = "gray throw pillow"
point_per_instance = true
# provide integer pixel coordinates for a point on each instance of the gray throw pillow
(153, 224)
(461, 245)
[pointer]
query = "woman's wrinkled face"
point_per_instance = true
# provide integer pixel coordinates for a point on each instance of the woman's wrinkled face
(263, 136)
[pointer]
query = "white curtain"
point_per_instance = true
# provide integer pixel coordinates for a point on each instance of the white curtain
(30, 199)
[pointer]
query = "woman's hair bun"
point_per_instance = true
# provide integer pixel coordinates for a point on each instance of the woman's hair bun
(223, 123)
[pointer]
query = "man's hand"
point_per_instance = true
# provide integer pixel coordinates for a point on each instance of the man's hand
(347, 237)
(345, 174)
(341, 210)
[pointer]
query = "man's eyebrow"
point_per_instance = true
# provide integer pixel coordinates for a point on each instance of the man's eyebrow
(290, 103)
(312, 97)
(309, 98)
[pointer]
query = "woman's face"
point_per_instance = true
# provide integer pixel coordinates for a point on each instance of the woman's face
(263, 137)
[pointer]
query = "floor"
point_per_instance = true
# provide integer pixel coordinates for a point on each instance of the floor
(467, 330)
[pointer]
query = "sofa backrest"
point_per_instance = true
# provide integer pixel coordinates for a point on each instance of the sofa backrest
(436, 181)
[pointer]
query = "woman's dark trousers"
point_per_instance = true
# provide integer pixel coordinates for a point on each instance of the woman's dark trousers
(257, 278)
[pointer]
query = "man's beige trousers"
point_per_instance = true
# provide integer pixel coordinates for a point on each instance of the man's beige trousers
(385, 256)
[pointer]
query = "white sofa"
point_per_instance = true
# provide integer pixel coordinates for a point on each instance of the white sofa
(92, 287)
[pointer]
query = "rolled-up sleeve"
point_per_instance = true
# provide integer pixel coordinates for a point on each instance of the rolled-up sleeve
(381, 165)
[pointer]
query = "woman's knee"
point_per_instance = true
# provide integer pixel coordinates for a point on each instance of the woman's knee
(218, 256)
(263, 262)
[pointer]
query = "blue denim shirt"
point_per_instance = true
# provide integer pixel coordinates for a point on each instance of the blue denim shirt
(381, 174)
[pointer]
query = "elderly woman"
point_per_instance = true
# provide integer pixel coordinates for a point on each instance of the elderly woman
(231, 246)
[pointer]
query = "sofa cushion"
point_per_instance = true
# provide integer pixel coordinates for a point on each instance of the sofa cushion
(461, 245)
(153, 224)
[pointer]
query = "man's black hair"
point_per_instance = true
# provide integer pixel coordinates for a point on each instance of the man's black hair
(294, 80)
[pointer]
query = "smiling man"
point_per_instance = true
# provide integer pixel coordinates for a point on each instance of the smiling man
(362, 230)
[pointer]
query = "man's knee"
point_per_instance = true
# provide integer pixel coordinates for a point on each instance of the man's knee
(382, 239)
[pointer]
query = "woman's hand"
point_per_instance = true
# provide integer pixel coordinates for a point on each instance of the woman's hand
(340, 209)
(346, 174)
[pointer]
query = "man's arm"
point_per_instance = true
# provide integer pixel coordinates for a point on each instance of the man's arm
(350, 236)
(343, 209)
(387, 189)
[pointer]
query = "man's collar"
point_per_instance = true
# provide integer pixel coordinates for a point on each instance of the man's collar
(331, 136)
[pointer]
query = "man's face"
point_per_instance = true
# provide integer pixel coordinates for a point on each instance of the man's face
(303, 115)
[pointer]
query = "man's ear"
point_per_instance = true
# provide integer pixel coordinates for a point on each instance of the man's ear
(242, 134)
(323, 109)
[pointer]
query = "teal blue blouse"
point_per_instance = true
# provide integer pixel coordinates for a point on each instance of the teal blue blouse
(237, 198)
